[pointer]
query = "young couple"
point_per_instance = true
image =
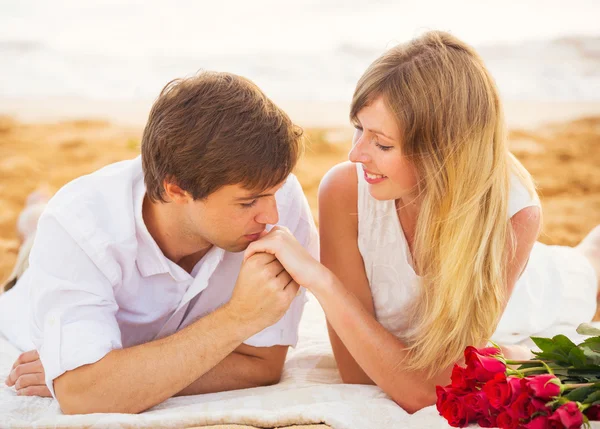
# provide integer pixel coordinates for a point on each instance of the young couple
(179, 272)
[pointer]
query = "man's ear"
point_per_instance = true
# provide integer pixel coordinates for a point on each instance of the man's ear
(175, 193)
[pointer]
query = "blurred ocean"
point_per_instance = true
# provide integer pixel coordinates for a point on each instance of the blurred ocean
(297, 50)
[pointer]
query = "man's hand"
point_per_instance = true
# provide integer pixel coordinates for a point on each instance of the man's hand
(294, 258)
(28, 376)
(263, 292)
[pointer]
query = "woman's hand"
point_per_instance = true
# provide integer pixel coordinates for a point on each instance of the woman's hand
(296, 260)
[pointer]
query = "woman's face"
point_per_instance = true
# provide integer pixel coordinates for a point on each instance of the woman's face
(377, 146)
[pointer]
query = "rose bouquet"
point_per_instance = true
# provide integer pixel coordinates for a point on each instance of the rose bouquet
(559, 388)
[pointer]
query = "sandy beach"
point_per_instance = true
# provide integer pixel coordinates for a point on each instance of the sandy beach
(49, 145)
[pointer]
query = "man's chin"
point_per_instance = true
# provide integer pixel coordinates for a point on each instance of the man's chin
(237, 247)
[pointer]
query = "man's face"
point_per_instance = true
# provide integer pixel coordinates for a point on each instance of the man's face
(232, 217)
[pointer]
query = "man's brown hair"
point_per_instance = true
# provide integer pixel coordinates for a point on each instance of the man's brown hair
(216, 129)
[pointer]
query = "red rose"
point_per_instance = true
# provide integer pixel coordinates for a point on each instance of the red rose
(498, 391)
(524, 406)
(442, 395)
(593, 413)
(539, 406)
(488, 421)
(460, 380)
(477, 405)
(505, 420)
(517, 386)
(520, 407)
(482, 365)
(485, 351)
(451, 407)
(542, 422)
(569, 415)
(545, 386)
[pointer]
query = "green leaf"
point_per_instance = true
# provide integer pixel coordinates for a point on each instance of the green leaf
(545, 344)
(593, 343)
(580, 394)
(578, 357)
(559, 358)
(556, 349)
(587, 329)
(593, 397)
(563, 342)
(587, 375)
(591, 356)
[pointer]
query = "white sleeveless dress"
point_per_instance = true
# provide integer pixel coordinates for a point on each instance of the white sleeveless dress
(556, 291)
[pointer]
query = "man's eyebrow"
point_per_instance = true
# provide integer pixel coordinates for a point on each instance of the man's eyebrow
(254, 197)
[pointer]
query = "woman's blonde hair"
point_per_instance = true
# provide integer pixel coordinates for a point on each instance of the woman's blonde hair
(452, 125)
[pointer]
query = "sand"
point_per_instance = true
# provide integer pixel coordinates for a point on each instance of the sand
(564, 158)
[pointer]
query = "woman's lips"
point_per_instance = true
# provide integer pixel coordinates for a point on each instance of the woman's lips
(374, 178)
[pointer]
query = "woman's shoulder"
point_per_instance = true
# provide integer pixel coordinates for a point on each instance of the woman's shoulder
(521, 196)
(339, 186)
(338, 203)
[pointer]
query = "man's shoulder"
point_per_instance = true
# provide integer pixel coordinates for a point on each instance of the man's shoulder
(98, 210)
(291, 201)
(291, 190)
(101, 191)
(295, 213)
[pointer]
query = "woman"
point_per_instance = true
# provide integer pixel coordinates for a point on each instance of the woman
(424, 240)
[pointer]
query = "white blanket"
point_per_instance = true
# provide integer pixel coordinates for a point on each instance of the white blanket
(309, 392)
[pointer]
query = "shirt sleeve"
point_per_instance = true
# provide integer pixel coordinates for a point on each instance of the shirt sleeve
(295, 214)
(71, 303)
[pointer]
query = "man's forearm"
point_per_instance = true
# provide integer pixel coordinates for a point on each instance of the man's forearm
(135, 379)
(236, 371)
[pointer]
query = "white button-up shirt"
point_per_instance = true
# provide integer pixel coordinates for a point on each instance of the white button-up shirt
(98, 281)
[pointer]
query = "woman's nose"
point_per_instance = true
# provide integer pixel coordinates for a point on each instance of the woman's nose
(358, 152)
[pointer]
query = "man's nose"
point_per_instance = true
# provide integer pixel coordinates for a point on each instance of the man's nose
(270, 214)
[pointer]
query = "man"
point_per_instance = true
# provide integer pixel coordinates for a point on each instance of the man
(136, 286)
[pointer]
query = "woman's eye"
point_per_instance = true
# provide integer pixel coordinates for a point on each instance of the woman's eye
(382, 147)
(248, 205)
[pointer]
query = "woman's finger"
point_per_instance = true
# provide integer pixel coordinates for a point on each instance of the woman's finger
(263, 245)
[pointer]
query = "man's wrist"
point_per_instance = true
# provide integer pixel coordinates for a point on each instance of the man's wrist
(241, 326)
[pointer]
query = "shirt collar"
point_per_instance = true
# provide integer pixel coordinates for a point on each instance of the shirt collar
(150, 259)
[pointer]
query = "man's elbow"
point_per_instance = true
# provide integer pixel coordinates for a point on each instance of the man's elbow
(71, 405)
(271, 377)
(74, 403)
(74, 399)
